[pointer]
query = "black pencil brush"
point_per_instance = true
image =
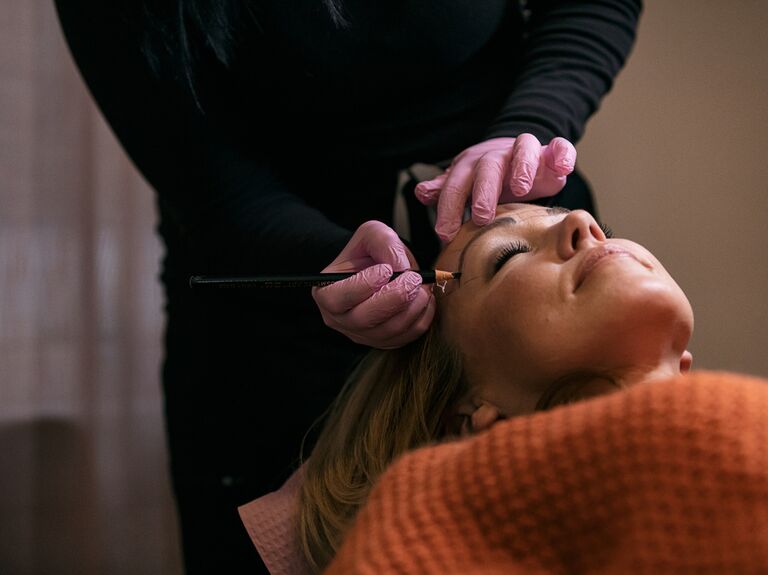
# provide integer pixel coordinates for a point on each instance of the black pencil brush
(303, 280)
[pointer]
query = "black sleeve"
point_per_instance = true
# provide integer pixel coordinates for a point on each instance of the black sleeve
(573, 51)
(229, 205)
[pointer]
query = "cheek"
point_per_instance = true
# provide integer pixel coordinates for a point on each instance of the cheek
(635, 294)
(513, 322)
(656, 303)
(524, 302)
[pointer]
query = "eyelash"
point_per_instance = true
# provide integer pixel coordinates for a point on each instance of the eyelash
(519, 247)
(606, 230)
(509, 252)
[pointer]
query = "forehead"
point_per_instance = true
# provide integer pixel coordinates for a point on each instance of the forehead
(449, 258)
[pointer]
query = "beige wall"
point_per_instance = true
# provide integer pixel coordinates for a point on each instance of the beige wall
(84, 486)
(678, 156)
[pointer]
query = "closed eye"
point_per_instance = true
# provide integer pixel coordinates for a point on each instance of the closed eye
(508, 252)
(606, 230)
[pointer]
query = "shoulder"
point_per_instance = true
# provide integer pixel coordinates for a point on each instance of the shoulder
(639, 457)
(695, 403)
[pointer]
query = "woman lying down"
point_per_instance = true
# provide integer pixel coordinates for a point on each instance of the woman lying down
(550, 426)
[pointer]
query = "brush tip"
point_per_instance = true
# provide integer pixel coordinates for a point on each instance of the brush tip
(441, 275)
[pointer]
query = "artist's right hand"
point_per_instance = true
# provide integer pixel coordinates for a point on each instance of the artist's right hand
(367, 307)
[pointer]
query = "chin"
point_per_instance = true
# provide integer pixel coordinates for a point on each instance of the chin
(652, 309)
(662, 297)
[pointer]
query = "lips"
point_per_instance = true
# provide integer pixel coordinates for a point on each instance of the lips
(596, 256)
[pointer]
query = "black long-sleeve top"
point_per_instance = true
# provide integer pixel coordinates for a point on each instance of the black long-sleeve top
(246, 183)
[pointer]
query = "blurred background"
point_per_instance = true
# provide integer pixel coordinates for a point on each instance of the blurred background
(676, 157)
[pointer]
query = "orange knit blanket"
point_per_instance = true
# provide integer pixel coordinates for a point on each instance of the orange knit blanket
(668, 477)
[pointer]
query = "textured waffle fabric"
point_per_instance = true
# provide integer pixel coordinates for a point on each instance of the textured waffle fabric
(667, 477)
(271, 524)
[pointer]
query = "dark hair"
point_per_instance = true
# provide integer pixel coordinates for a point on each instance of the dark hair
(177, 35)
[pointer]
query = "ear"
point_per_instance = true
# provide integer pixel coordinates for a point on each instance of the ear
(484, 416)
(472, 416)
(686, 360)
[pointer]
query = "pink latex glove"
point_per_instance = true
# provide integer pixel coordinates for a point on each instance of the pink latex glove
(496, 171)
(367, 307)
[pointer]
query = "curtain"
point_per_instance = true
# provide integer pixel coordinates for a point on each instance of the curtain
(84, 486)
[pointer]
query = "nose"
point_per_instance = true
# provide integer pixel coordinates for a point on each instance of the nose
(578, 230)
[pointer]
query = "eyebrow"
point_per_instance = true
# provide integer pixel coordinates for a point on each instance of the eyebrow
(498, 222)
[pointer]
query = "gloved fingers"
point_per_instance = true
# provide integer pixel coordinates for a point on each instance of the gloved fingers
(560, 156)
(489, 179)
(390, 300)
(558, 159)
(428, 191)
(409, 324)
(385, 246)
(377, 242)
(358, 305)
(453, 199)
(526, 154)
(342, 263)
(340, 297)
(422, 323)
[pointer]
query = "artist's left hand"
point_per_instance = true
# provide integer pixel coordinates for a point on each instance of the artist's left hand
(497, 171)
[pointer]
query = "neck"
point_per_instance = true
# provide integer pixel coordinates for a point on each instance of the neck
(640, 375)
(583, 385)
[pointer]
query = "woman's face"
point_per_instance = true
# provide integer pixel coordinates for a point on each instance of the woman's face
(545, 297)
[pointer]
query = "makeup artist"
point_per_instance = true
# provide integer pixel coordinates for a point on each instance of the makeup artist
(270, 131)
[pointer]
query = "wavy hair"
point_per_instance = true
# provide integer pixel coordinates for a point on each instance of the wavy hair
(395, 401)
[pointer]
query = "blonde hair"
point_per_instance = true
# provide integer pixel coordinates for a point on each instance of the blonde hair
(395, 401)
